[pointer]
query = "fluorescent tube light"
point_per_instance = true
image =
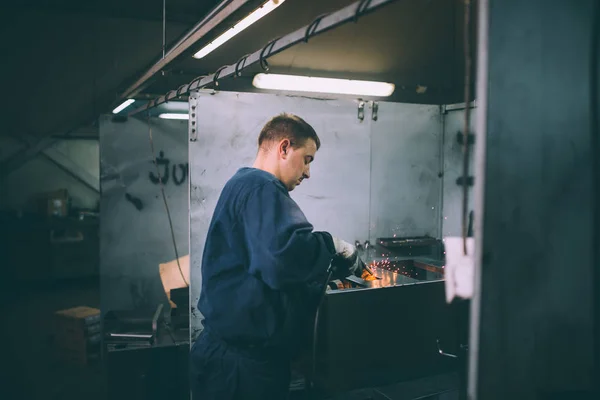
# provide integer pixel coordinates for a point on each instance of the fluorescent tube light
(322, 85)
(123, 106)
(240, 26)
(173, 116)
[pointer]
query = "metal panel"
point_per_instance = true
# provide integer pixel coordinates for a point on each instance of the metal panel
(397, 328)
(405, 169)
(134, 231)
(533, 305)
(335, 198)
(452, 158)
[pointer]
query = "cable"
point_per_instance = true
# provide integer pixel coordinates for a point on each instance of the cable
(164, 26)
(316, 327)
(162, 189)
(465, 185)
(595, 141)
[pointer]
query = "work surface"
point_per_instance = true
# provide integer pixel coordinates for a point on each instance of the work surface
(407, 270)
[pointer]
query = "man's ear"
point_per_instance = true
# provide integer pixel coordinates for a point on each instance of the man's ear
(284, 147)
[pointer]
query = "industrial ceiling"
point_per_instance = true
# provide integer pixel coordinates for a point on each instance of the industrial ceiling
(66, 62)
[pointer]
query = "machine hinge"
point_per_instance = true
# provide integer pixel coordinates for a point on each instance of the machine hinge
(361, 110)
(374, 110)
(193, 123)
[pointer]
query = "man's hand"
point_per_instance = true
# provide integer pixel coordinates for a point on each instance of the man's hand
(346, 259)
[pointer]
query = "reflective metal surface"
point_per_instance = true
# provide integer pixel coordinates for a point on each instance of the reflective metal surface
(134, 229)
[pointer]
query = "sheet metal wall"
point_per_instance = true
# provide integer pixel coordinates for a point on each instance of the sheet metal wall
(405, 168)
(380, 174)
(134, 240)
(534, 335)
(335, 198)
(453, 159)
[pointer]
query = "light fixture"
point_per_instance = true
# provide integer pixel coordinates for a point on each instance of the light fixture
(123, 106)
(322, 85)
(240, 26)
(173, 116)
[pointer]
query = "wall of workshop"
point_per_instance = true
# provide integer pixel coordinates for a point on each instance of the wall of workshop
(41, 174)
(24, 224)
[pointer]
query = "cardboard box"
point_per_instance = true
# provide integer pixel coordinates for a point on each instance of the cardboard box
(175, 275)
(76, 334)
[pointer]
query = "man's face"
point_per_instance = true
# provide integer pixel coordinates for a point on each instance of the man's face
(295, 162)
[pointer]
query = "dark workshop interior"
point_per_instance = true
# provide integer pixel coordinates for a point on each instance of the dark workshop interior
(459, 158)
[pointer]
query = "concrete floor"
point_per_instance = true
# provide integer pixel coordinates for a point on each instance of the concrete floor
(29, 369)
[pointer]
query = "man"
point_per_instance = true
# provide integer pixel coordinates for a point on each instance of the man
(263, 271)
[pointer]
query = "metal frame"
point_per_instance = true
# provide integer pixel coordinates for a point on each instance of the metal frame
(479, 189)
(326, 23)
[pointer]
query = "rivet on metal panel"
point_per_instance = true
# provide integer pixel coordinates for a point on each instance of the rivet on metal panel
(193, 132)
(361, 110)
(375, 109)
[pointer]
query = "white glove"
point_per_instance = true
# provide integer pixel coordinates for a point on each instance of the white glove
(350, 254)
(344, 248)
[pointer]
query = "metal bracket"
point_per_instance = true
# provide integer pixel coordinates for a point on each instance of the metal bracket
(456, 107)
(470, 181)
(460, 138)
(361, 110)
(192, 125)
(374, 109)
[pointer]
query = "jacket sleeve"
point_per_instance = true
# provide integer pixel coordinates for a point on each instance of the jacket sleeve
(283, 249)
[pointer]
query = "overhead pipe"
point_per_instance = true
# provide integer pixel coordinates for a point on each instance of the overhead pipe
(321, 24)
(222, 11)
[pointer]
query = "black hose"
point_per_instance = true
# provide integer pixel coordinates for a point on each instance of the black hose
(316, 327)
(595, 141)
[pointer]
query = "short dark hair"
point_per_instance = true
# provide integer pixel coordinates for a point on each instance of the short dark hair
(287, 126)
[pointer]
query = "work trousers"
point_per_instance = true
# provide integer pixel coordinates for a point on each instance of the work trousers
(222, 371)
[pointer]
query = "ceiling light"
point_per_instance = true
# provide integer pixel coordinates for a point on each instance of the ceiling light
(240, 26)
(123, 106)
(322, 85)
(174, 116)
